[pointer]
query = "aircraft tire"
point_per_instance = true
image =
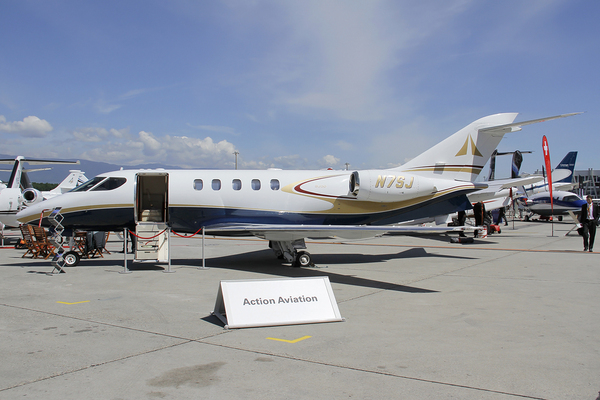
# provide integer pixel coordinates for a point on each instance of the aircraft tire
(71, 258)
(302, 259)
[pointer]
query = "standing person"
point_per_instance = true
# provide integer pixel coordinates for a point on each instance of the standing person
(478, 213)
(589, 219)
(502, 216)
(462, 217)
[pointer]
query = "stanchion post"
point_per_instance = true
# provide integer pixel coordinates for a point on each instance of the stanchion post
(125, 245)
(169, 251)
(203, 257)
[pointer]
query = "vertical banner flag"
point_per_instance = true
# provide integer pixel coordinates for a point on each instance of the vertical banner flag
(546, 151)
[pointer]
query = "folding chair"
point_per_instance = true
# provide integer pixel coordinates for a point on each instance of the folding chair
(32, 249)
(46, 249)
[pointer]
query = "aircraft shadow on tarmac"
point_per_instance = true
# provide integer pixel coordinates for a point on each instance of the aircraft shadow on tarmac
(416, 252)
(263, 261)
(446, 238)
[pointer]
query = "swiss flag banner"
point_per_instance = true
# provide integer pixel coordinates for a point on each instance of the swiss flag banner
(546, 151)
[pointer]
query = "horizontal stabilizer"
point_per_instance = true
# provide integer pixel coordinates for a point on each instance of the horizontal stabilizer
(516, 126)
(35, 161)
(528, 180)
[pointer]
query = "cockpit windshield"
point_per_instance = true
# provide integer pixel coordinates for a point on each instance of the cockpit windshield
(100, 183)
(89, 184)
(110, 184)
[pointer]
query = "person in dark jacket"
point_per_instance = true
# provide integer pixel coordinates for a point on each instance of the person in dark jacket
(478, 213)
(502, 216)
(589, 219)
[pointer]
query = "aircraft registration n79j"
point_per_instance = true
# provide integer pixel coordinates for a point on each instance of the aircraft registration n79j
(285, 207)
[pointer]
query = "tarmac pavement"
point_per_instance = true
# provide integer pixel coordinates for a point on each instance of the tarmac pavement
(513, 316)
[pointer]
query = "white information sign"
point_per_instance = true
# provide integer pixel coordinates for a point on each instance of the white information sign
(268, 302)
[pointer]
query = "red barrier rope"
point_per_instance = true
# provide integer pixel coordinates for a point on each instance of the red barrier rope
(147, 238)
(187, 237)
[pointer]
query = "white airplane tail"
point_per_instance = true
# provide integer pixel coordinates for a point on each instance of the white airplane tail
(74, 179)
(463, 155)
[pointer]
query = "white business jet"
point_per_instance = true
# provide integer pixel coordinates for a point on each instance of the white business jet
(285, 207)
(19, 193)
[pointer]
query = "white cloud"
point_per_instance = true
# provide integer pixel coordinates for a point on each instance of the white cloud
(151, 145)
(105, 108)
(31, 126)
(113, 146)
(330, 160)
(288, 162)
(119, 133)
(99, 134)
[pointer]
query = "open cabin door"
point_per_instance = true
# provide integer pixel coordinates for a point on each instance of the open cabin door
(152, 197)
(152, 216)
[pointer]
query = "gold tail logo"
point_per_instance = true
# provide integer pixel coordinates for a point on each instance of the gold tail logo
(474, 150)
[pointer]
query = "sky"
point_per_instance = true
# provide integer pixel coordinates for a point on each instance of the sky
(294, 84)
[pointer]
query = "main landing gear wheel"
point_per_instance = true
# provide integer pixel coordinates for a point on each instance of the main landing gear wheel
(302, 259)
(71, 258)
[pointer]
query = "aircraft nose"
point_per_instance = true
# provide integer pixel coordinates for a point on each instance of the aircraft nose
(30, 213)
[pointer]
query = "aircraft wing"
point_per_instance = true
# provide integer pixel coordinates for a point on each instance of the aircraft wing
(295, 232)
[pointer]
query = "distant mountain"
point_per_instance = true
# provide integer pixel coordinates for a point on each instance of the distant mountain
(60, 172)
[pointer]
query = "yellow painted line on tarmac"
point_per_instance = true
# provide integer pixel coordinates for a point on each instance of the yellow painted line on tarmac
(77, 302)
(290, 341)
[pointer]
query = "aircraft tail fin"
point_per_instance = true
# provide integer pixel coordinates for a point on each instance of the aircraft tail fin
(74, 179)
(517, 160)
(515, 167)
(18, 177)
(463, 155)
(564, 170)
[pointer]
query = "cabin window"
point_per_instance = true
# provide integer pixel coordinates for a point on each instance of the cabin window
(274, 184)
(198, 184)
(255, 184)
(216, 184)
(236, 184)
(110, 184)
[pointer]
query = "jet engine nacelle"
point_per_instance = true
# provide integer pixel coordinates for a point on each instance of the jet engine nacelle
(32, 196)
(388, 186)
